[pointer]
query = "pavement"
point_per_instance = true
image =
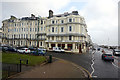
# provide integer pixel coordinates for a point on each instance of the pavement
(57, 69)
(84, 60)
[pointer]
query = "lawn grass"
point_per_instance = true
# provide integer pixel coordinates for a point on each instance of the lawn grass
(14, 58)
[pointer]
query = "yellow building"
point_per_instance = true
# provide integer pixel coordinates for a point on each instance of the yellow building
(68, 31)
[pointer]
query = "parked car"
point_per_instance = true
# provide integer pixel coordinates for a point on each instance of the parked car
(93, 49)
(12, 49)
(42, 48)
(98, 49)
(32, 49)
(116, 52)
(58, 49)
(39, 52)
(108, 56)
(23, 50)
(4, 48)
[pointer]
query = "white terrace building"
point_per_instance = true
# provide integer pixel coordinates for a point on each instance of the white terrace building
(68, 31)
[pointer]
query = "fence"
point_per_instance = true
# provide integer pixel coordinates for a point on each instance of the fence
(10, 69)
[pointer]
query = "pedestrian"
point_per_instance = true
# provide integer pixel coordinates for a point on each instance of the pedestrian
(103, 51)
(113, 51)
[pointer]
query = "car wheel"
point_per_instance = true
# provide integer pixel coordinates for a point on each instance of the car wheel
(113, 60)
(102, 58)
(114, 54)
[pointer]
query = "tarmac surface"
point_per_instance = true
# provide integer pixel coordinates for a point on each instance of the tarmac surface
(57, 69)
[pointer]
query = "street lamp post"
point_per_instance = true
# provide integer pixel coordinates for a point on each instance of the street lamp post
(38, 35)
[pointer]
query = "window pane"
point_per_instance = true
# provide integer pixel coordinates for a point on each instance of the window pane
(70, 20)
(41, 28)
(70, 28)
(70, 37)
(61, 29)
(52, 22)
(52, 29)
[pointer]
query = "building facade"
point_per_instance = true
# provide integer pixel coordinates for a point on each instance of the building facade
(68, 31)
(0, 36)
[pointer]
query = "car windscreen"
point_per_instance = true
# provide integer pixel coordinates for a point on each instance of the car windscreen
(59, 48)
(108, 54)
(117, 51)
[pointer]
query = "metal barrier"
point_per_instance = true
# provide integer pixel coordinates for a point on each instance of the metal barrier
(11, 69)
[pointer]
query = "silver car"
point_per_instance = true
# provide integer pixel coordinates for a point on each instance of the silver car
(23, 50)
(116, 52)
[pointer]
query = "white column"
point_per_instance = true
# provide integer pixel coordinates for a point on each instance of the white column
(49, 45)
(65, 46)
(56, 44)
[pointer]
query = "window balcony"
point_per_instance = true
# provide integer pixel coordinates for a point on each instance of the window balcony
(65, 41)
(66, 23)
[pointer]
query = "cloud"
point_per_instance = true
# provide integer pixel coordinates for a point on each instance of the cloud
(102, 16)
(73, 8)
(38, 7)
(22, 8)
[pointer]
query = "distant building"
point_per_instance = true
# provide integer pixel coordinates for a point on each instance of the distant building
(68, 31)
(0, 36)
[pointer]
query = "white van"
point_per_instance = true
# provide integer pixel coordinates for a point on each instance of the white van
(58, 49)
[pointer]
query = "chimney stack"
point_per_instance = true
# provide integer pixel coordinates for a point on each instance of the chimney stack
(50, 13)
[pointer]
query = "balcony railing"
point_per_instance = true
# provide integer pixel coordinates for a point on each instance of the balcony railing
(67, 23)
(26, 38)
(4, 37)
(64, 41)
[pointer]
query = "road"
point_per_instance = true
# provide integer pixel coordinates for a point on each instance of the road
(92, 62)
(104, 69)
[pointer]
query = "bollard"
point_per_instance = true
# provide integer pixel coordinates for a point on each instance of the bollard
(50, 58)
(27, 62)
(20, 65)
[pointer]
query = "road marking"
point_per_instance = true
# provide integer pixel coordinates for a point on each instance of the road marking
(94, 76)
(92, 65)
(114, 65)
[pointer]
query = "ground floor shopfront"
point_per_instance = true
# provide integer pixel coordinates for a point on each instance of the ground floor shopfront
(68, 46)
(77, 47)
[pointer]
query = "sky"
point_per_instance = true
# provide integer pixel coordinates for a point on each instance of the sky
(101, 16)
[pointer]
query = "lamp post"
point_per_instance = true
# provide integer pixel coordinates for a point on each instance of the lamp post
(37, 34)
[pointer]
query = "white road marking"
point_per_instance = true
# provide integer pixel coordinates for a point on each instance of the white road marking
(114, 65)
(94, 76)
(92, 65)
